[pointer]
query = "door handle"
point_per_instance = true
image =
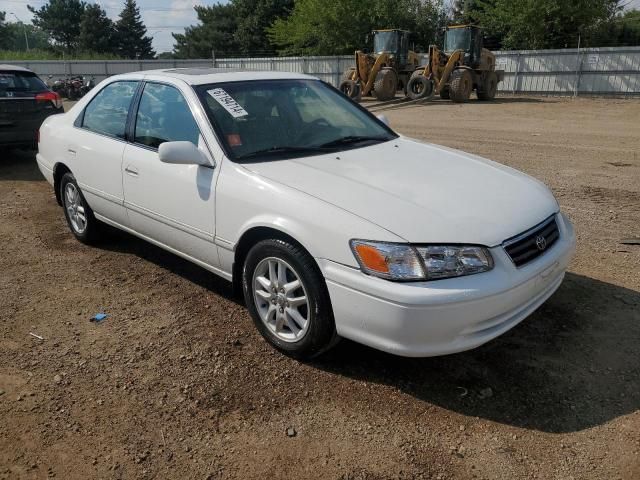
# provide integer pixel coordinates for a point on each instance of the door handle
(131, 171)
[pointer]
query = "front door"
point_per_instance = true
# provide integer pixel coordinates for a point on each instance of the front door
(171, 204)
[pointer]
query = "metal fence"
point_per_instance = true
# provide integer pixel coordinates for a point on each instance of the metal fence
(593, 71)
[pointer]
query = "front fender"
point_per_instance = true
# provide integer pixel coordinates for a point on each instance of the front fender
(246, 200)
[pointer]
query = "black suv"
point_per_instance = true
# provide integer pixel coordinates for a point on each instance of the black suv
(25, 101)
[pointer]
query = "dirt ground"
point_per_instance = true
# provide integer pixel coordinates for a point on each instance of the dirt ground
(176, 383)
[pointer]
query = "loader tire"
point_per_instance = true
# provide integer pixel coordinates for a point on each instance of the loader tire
(386, 84)
(444, 94)
(351, 89)
(461, 85)
(488, 91)
(348, 74)
(419, 87)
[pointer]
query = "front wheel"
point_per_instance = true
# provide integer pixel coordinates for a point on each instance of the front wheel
(288, 299)
(461, 85)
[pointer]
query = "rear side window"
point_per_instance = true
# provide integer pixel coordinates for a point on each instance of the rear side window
(107, 112)
(19, 82)
(164, 116)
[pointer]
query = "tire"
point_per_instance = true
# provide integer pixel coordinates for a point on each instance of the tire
(312, 330)
(75, 207)
(488, 91)
(419, 87)
(351, 89)
(385, 85)
(444, 93)
(461, 85)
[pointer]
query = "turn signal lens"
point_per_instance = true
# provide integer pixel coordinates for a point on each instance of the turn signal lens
(392, 261)
(372, 258)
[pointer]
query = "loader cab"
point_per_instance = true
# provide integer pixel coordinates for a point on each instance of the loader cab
(394, 42)
(467, 38)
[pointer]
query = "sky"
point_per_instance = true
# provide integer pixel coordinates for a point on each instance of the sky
(160, 16)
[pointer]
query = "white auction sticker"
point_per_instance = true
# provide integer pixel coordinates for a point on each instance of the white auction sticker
(228, 102)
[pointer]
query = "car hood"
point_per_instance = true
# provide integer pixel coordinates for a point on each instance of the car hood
(423, 193)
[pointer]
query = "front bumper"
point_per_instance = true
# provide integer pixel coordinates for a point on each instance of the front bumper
(424, 319)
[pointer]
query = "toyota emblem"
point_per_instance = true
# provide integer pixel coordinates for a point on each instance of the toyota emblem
(541, 242)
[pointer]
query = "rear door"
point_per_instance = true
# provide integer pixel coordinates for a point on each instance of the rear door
(97, 147)
(21, 114)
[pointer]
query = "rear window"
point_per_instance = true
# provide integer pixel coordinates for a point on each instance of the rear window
(19, 82)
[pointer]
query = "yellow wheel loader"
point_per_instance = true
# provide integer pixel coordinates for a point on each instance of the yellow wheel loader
(463, 66)
(384, 71)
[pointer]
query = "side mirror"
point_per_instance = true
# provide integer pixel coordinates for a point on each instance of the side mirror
(383, 118)
(182, 153)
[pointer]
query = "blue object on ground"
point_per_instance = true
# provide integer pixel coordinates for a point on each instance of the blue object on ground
(98, 317)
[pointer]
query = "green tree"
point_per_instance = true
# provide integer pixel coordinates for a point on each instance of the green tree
(330, 27)
(97, 31)
(215, 32)
(538, 24)
(131, 34)
(253, 17)
(15, 37)
(4, 32)
(622, 30)
(60, 19)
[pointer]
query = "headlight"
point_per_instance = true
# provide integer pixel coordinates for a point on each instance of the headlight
(446, 261)
(395, 261)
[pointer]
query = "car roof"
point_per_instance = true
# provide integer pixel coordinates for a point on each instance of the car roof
(14, 68)
(203, 76)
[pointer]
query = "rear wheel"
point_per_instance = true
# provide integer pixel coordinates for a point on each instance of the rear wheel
(288, 299)
(488, 91)
(419, 87)
(79, 215)
(386, 84)
(461, 85)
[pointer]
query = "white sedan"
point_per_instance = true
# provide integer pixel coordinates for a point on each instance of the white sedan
(331, 223)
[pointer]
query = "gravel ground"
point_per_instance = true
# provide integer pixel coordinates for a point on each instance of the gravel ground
(176, 383)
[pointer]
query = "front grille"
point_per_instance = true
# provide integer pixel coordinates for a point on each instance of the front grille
(529, 245)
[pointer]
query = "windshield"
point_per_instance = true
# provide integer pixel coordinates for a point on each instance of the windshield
(265, 119)
(385, 42)
(457, 39)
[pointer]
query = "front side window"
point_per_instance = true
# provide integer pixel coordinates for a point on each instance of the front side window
(107, 112)
(261, 119)
(164, 116)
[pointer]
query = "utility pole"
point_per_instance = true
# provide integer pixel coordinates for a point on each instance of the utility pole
(24, 27)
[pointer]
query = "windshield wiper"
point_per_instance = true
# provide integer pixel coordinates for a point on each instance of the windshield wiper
(354, 139)
(280, 149)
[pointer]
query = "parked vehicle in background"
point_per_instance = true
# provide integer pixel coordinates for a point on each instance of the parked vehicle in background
(331, 223)
(72, 88)
(25, 101)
